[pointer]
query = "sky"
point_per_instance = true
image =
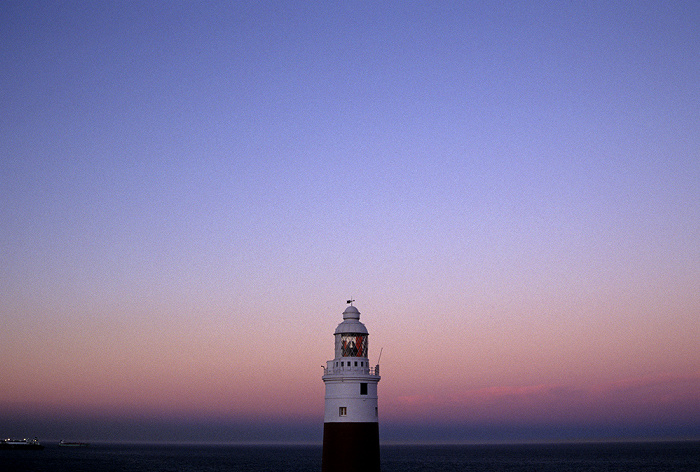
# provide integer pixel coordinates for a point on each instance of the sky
(191, 191)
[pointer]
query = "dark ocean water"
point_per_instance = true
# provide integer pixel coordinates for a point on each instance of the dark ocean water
(650, 457)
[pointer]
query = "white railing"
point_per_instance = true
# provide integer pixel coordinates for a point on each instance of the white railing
(351, 369)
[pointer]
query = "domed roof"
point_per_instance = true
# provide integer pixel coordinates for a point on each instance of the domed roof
(351, 313)
(351, 322)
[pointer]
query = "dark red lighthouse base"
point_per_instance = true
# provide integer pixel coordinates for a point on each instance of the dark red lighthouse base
(350, 447)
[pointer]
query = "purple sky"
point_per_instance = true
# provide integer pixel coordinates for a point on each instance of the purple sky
(510, 191)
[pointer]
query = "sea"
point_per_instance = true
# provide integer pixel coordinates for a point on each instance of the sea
(641, 456)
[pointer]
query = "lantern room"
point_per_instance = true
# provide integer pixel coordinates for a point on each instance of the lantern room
(351, 336)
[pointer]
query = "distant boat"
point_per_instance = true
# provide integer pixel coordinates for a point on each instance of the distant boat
(63, 443)
(20, 444)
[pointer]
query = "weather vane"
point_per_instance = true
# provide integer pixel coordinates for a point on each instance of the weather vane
(351, 300)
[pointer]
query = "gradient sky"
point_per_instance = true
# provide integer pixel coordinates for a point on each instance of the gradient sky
(190, 192)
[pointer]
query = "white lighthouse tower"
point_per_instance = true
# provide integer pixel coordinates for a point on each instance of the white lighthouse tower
(351, 421)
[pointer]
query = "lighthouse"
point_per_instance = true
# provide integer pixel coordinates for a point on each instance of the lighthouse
(351, 419)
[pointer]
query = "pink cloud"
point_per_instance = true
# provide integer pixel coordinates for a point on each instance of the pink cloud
(660, 398)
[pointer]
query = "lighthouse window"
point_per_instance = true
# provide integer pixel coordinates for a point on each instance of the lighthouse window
(343, 411)
(353, 345)
(363, 389)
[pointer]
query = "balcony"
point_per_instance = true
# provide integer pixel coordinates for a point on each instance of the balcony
(345, 370)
